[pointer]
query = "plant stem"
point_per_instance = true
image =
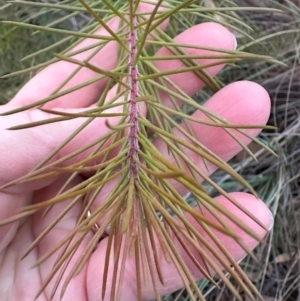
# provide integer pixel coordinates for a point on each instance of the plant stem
(133, 95)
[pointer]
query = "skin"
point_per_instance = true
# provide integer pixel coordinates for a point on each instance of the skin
(20, 151)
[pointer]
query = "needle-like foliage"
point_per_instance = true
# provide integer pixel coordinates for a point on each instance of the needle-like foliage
(143, 210)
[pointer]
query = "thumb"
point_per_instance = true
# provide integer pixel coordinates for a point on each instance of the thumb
(22, 150)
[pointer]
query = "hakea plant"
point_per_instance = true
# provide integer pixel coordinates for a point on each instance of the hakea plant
(100, 191)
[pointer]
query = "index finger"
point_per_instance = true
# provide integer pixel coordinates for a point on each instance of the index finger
(50, 79)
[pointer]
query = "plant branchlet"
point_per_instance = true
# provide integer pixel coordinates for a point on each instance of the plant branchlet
(148, 218)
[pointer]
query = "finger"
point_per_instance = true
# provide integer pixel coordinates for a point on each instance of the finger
(172, 280)
(49, 79)
(38, 142)
(242, 102)
(205, 35)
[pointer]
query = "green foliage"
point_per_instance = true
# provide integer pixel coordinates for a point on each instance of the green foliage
(16, 43)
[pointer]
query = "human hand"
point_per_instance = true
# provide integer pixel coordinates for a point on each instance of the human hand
(22, 150)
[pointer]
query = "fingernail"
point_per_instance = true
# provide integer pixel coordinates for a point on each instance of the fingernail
(271, 221)
(234, 41)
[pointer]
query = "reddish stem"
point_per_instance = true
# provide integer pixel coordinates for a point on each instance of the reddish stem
(132, 104)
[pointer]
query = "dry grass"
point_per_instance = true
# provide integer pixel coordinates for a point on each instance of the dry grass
(276, 180)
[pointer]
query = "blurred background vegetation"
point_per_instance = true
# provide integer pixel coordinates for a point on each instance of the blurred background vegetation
(276, 179)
